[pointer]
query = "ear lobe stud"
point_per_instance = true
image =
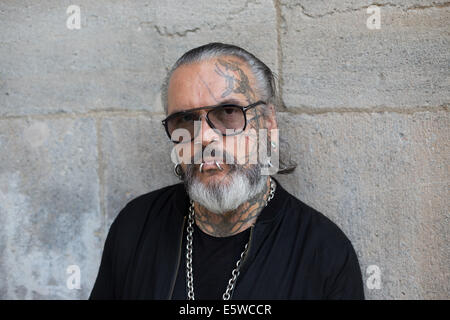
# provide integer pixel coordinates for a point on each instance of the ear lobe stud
(178, 171)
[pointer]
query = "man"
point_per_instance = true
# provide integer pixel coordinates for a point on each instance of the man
(229, 231)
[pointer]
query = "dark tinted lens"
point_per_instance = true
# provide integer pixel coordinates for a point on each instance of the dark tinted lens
(181, 121)
(227, 117)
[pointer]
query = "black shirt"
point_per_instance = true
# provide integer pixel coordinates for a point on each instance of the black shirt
(213, 260)
(295, 252)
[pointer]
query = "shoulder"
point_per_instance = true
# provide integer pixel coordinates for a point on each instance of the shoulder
(325, 243)
(317, 229)
(151, 204)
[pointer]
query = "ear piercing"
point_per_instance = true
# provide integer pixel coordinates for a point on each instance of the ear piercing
(178, 171)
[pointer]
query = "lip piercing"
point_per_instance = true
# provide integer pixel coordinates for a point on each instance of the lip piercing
(218, 166)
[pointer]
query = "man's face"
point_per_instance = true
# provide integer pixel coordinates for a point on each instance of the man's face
(209, 83)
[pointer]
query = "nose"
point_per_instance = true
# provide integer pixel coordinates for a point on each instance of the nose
(208, 134)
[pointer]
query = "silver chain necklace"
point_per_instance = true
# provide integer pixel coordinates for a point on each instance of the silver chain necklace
(234, 273)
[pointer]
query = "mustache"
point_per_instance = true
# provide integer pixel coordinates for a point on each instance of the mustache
(222, 156)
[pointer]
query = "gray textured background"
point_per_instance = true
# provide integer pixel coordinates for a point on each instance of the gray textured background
(366, 115)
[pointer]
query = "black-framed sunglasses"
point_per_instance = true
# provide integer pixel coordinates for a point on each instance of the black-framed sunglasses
(225, 119)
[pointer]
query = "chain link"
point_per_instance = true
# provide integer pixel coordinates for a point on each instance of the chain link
(236, 271)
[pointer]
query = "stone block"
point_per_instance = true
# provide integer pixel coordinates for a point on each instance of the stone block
(384, 179)
(50, 215)
(331, 59)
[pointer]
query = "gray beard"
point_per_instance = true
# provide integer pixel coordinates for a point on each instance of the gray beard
(219, 197)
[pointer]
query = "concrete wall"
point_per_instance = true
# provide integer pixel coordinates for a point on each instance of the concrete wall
(366, 115)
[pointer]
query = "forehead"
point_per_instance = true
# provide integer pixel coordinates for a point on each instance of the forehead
(210, 82)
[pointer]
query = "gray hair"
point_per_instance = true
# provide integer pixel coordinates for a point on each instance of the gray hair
(266, 86)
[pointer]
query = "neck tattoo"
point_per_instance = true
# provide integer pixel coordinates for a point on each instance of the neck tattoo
(229, 224)
(189, 247)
